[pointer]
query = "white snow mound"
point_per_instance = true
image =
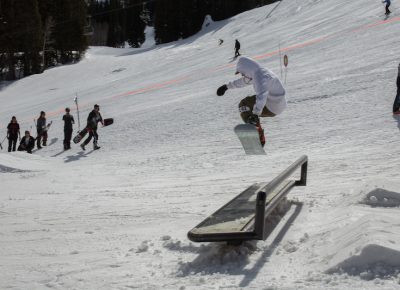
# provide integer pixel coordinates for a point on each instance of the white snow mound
(367, 247)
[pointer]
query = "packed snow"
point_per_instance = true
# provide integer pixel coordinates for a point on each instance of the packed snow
(117, 218)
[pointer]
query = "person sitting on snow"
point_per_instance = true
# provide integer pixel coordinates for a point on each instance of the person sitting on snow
(27, 143)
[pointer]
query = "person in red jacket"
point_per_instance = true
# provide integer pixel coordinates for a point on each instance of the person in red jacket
(13, 133)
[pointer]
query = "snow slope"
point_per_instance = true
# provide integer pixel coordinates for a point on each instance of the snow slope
(117, 218)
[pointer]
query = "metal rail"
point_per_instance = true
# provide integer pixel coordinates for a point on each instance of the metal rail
(268, 198)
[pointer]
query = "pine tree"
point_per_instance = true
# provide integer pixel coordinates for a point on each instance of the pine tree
(134, 23)
(70, 20)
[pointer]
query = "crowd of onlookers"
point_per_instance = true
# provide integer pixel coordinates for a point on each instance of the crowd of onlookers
(27, 142)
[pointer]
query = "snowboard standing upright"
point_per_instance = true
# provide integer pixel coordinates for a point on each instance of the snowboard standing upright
(250, 139)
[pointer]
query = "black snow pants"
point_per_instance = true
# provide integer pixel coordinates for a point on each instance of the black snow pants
(67, 139)
(92, 133)
(12, 143)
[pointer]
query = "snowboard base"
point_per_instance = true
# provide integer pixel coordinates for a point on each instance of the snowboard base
(250, 139)
(80, 136)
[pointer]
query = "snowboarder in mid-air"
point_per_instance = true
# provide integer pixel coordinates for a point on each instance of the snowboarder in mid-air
(396, 104)
(93, 119)
(269, 99)
(387, 6)
(68, 122)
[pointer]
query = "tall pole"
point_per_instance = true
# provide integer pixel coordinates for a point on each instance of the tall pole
(77, 109)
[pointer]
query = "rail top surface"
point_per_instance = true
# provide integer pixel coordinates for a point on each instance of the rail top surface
(237, 216)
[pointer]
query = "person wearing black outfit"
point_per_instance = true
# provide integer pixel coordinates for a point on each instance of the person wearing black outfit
(237, 47)
(12, 134)
(93, 119)
(27, 143)
(41, 130)
(68, 122)
(387, 11)
(396, 104)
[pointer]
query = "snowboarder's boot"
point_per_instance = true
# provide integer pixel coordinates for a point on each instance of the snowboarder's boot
(95, 147)
(83, 147)
(261, 134)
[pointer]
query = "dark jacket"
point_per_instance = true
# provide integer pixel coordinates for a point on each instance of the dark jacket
(41, 124)
(92, 120)
(31, 144)
(13, 130)
(237, 45)
(68, 122)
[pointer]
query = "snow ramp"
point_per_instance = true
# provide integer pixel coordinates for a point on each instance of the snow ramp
(368, 246)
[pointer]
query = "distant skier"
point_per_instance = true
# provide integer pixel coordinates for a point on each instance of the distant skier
(237, 48)
(269, 100)
(221, 41)
(13, 133)
(27, 143)
(396, 104)
(68, 122)
(387, 6)
(93, 119)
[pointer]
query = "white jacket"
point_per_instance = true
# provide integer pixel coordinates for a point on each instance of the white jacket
(268, 87)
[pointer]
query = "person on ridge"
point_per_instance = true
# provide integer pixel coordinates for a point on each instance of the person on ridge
(396, 104)
(237, 48)
(13, 133)
(68, 122)
(93, 119)
(269, 99)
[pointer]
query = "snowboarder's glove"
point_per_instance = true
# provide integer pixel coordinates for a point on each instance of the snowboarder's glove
(253, 119)
(221, 90)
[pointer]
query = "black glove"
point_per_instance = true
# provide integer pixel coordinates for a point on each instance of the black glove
(253, 119)
(221, 90)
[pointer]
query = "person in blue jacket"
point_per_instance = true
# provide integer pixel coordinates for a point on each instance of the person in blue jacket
(387, 6)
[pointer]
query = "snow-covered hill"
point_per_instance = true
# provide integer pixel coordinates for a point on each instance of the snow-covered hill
(117, 218)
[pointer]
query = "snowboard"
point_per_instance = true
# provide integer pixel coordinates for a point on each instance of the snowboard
(45, 129)
(83, 133)
(250, 139)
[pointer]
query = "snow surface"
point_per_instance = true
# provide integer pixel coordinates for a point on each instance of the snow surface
(117, 218)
